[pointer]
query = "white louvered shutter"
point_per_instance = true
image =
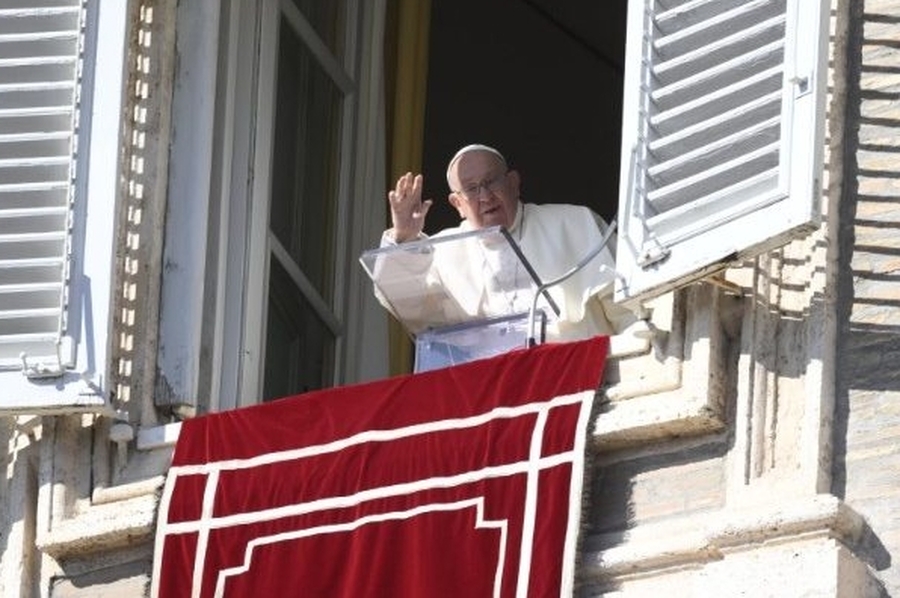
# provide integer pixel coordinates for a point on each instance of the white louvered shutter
(61, 74)
(39, 75)
(723, 134)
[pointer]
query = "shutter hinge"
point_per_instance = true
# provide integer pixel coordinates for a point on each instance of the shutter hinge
(652, 253)
(49, 367)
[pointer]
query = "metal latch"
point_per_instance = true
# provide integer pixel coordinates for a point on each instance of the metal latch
(48, 367)
(652, 253)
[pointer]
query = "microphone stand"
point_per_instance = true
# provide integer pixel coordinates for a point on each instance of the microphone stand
(581, 264)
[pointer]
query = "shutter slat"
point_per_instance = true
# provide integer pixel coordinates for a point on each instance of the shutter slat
(36, 186)
(30, 288)
(39, 21)
(36, 73)
(35, 161)
(32, 212)
(36, 296)
(37, 61)
(45, 145)
(43, 325)
(37, 111)
(28, 338)
(43, 121)
(710, 23)
(36, 85)
(37, 172)
(50, 97)
(43, 198)
(720, 75)
(712, 54)
(740, 117)
(62, 45)
(718, 150)
(37, 349)
(706, 182)
(7, 39)
(691, 219)
(47, 236)
(686, 14)
(30, 270)
(13, 314)
(39, 11)
(721, 99)
(18, 138)
(17, 249)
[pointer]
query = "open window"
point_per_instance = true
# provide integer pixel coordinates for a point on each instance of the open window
(60, 110)
(282, 287)
(704, 138)
(710, 117)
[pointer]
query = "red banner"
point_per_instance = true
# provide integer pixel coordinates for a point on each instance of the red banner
(465, 481)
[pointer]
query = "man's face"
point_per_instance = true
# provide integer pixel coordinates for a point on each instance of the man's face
(484, 193)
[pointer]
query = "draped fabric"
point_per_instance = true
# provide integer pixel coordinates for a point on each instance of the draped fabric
(465, 481)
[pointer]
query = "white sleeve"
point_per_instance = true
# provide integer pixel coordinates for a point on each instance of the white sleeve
(408, 283)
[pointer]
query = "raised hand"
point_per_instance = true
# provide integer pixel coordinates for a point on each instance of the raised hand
(407, 208)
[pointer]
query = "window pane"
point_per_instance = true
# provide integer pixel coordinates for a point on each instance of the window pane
(299, 347)
(327, 18)
(306, 161)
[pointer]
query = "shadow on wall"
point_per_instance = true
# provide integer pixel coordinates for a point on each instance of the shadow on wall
(650, 488)
(867, 378)
(19, 492)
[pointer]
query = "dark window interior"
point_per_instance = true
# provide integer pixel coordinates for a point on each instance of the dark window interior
(541, 80)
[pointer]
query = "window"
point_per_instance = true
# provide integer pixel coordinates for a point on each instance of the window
(266, 215)
(275, 108)
(302, 326)
(58, 165)
(300, 192)
(721, 119)
(296, 143)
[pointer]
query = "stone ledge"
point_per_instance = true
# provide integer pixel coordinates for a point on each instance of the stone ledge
(698, 540)
(653, 417)
(106, 526)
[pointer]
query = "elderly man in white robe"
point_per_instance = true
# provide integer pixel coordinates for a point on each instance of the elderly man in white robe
(553, 238)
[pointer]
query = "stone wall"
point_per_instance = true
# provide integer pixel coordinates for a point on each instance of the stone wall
(867, 434)
(799, 495)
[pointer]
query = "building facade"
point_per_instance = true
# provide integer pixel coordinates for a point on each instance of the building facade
(220, 166)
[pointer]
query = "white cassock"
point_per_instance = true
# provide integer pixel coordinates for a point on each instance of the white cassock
(469, 280)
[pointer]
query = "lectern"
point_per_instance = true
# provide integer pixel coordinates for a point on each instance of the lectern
(461, 296)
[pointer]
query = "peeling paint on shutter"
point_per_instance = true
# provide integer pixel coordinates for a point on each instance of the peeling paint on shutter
(722, 134)
(40, 48)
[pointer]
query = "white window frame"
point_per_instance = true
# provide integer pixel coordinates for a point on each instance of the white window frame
(83, 384)
(211, 341)
(262, 240)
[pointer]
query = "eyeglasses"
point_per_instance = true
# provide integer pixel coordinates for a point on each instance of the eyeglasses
(491, 185)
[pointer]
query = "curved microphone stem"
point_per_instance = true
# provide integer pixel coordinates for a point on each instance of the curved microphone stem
(581, 264)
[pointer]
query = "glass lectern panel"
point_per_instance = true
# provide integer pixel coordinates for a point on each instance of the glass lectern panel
(452, 345)
(462, 296)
